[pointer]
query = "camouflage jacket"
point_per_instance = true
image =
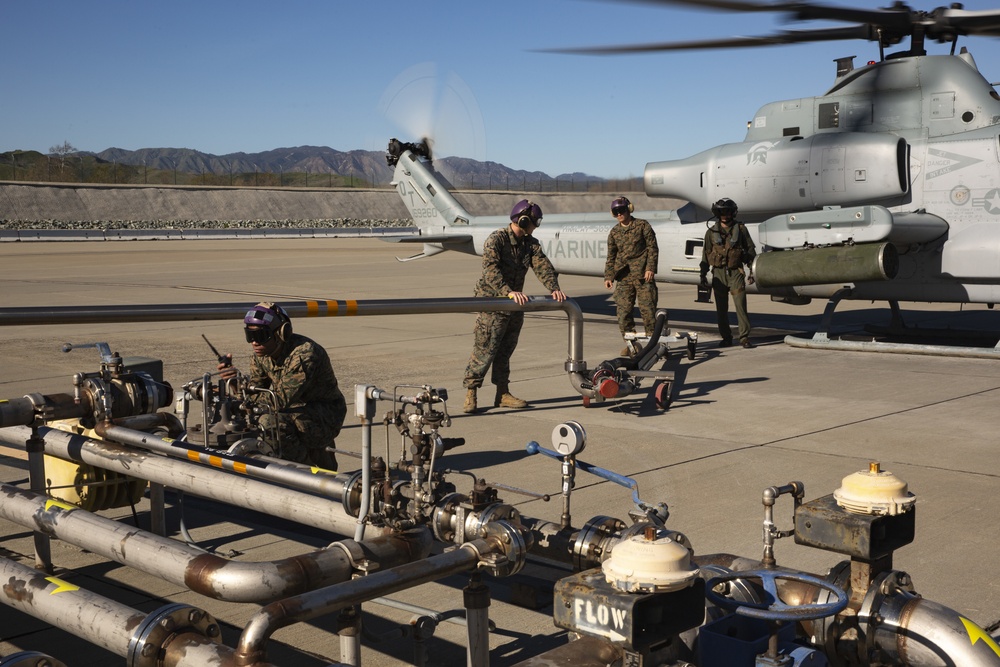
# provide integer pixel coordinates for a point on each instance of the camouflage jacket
(632, 251)
(730, 249)
(301, 376)
(506, 260)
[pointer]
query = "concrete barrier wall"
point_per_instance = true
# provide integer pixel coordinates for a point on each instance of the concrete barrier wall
(21, 202)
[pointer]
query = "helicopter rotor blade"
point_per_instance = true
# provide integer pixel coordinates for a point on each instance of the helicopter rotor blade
(888, 25)
(896, 17)
(776, 39)
(984, 22)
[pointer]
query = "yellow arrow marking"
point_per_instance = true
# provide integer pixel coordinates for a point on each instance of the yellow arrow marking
(49, 504)
(316, 469)
(976, 633)
(61, 586)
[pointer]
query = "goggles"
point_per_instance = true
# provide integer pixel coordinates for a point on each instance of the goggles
(619, 210)
(259, 336)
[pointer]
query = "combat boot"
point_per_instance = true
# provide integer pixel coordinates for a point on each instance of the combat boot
(505, 399)
(470, 402)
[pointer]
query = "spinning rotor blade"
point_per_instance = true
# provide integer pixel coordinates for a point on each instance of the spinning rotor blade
(439, 109)
(784, 37)
(888, 25)
(896, 17)
(985, 22)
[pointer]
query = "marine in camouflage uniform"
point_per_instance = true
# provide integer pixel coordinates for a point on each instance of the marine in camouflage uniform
(727, 248)
(631, 266)
(507, 255)
(309, 406)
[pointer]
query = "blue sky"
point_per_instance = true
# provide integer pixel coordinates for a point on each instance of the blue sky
(253, 76)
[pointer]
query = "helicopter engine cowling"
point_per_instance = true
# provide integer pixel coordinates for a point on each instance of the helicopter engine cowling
(826, 265)
(792, 173)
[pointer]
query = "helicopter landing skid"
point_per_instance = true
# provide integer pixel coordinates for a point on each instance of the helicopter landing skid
(821, 339)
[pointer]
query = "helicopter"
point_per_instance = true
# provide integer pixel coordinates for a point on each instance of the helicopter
(884, 188)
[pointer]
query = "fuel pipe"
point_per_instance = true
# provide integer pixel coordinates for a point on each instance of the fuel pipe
(303, 508)
(207, 574)
(252, 645)
(575, 366)
(322, 482)
(177, 635)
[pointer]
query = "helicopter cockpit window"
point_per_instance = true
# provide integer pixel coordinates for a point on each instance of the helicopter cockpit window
(829, 115)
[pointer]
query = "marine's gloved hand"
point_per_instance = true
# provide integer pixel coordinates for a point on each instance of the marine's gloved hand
(225, 367)
(751, 280)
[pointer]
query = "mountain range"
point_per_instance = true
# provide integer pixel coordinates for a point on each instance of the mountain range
(364, 165)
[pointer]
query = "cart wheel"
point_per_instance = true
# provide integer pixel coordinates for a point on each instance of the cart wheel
(586, 401)
(662, 395)
(692, 346)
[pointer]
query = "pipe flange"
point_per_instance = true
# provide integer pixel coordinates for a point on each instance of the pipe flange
(149, 638)
(251, 446)
(30, 659)
(99, 394)
(350, 497)
(825, 630)
(589, 547)
(737, 589)
(512, 549)
(880, 609)
(442, 522)
(475, 523)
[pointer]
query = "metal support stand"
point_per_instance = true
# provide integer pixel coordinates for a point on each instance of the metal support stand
(822, 334)
(157, 509)
(35, 446)
(349, 631)
(477, 615)
(568, 482)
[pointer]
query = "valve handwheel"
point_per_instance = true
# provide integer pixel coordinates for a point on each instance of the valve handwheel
(778, 610)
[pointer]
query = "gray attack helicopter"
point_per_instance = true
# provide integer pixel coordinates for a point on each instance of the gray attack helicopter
(885, 187)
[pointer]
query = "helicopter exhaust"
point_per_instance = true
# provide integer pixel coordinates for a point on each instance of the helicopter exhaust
(793, 173)
(826, 265)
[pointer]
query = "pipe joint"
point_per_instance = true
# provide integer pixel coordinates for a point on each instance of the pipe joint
(164, 624)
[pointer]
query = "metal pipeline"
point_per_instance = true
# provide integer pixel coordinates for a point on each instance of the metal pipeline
(175, 635)
(100, 621)
(893, 348)
(252, 646)
(24, 411)
(320, 482)
(918, 632)
(575, 365)
(906, 628)
(207, 574)
(167, 420)
(231, 489)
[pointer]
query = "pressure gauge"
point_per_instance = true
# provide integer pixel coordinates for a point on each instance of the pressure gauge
(569, 439)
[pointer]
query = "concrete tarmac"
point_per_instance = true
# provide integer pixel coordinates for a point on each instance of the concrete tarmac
(740, 421)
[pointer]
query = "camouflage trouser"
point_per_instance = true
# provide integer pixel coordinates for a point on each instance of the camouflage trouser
(726, 282)
(496, 337)
(626, 294)
(297, 439)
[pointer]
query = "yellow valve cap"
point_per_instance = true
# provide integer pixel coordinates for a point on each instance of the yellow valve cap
(653, 562)
(874, 492)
